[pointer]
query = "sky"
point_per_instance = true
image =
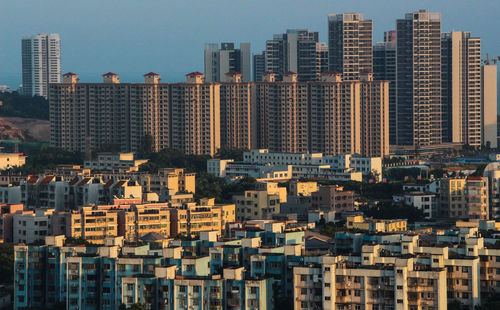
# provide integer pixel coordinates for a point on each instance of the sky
(132, 37)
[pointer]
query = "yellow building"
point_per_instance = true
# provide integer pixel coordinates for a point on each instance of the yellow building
(11, 160)
(142, 219)
(261, 203)
(374, 225)
(88, 223)
(298, 188)
(452, 198)
(191, 219)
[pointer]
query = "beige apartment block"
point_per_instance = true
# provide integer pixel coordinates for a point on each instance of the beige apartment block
(195, 115)
(238, 113)
(140, 220)
(283, 113)
(259, 204)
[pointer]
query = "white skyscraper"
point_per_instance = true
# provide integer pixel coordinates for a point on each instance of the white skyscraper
(41, 59)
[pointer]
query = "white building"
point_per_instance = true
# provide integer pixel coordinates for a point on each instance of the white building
(217, 167)
(109, 161)
(426, 202)
(31, 226)
(41, 60)
(11, 194)
(354, 162)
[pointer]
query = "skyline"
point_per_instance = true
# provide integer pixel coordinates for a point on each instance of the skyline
(89, 51)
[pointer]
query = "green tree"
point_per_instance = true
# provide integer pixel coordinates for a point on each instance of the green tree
(16, 105)
(6, 264)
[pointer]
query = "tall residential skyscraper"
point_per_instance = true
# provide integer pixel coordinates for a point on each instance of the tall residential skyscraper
(350, 45)
(418, 79)
(461, 91)
(219, 61)
(298, 51)
(384, 69)
(489, 105)
(259, 66)
(41, 61)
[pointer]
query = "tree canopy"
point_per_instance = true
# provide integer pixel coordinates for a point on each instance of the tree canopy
(16, 105)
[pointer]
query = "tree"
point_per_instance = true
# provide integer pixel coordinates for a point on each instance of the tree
(6, 264)
(228, 153)
(16, 105)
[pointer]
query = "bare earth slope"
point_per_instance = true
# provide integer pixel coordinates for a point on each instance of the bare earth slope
(25, 129)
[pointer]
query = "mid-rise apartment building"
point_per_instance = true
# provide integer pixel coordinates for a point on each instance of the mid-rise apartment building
(109, 161)
(332, 198)
(226, 58)
(461, 91)
(7, 212)
(260, 203)
(418, 79)
(465, 198)
(350, 45)
(41, 61)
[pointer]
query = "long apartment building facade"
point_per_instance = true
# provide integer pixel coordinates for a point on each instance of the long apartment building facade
(330, 116)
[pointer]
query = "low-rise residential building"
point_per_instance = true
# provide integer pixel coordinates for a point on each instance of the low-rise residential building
(452, 198)
(217, 167)
(261, 164)
(426, 202)
(358, 222)
(261, 203)
(333, 198)
(300, 188)
(31, 226)
(110, 161)
(7, 212)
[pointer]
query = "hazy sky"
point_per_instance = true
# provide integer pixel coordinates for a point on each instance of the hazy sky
(131, 37)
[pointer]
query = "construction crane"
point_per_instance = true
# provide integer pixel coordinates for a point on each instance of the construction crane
(489, 60)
